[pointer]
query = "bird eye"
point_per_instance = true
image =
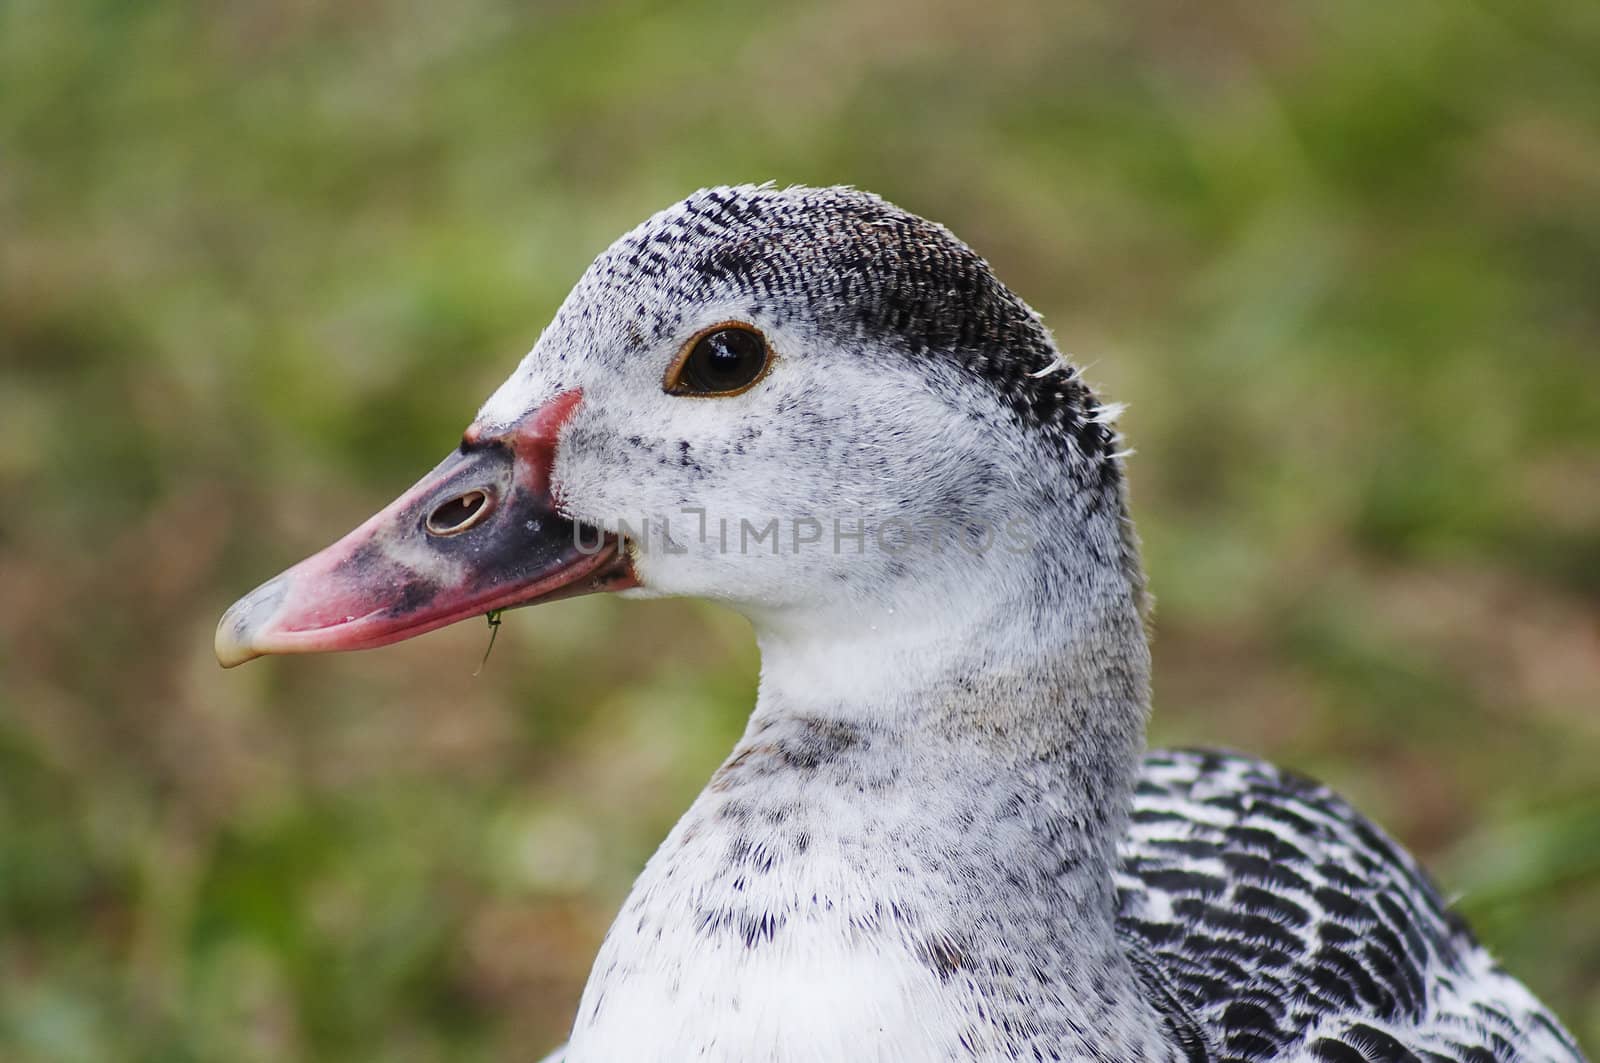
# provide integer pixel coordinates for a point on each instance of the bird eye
(723, 360)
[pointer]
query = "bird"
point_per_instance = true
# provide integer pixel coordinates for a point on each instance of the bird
(941, 836)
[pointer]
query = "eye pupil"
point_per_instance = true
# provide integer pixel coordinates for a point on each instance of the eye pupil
(722, 362)
(723, 357)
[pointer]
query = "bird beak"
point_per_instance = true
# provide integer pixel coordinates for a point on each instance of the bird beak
(478, 534)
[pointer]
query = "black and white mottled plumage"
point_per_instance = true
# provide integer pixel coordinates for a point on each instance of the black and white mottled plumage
(940, 837)
(1291, 927)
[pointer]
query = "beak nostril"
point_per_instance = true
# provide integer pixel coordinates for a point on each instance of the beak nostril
(460, 513)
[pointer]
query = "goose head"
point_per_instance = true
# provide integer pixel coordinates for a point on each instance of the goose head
(805, 403)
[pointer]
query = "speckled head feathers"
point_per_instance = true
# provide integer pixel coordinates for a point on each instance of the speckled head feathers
(867, 270)
(909, 383)
(858, 268)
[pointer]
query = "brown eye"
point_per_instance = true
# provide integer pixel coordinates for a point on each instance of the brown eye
(724, 360)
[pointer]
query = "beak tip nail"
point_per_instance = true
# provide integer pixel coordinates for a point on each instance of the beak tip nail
(232, 642)
(236, 640)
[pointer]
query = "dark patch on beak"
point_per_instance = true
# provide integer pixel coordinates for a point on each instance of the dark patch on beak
(480, 533)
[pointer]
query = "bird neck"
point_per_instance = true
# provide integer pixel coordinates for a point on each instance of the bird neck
(1038, 681)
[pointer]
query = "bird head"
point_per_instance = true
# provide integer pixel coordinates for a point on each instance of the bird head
(806, 403)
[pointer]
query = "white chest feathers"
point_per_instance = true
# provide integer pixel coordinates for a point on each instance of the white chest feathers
(817, 996)
(819, 903)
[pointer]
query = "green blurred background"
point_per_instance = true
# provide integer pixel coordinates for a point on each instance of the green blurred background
(259, 262)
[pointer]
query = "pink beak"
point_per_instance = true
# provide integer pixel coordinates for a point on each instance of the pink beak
(479, 533)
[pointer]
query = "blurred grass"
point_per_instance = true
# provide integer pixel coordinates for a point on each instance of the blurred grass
(259, 263)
